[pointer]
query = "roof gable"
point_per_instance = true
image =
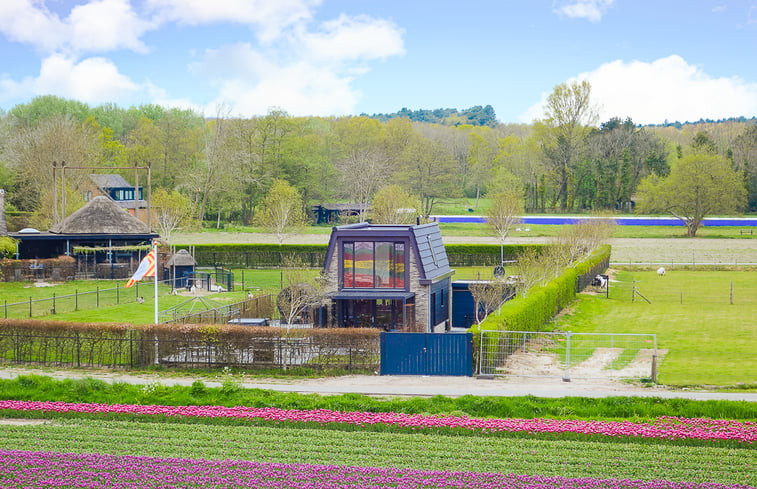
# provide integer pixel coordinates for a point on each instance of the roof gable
(100, 216)
(109, 181)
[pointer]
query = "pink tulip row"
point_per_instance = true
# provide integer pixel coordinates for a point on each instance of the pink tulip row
(663, 428)
(21, 469)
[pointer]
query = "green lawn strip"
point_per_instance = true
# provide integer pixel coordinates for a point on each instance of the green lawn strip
(710, 340)
(567, 458)
(639, 409)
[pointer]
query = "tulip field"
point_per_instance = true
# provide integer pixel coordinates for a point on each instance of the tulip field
(59, 444)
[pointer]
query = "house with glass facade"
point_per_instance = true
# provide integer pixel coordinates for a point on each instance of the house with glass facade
(390, 276)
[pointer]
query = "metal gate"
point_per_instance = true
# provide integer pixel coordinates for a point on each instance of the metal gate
(426, 354)
(567, 354)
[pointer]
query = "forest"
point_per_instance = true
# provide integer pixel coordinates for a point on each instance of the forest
(223, 165)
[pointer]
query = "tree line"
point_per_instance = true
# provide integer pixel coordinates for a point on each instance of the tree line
(224, 166)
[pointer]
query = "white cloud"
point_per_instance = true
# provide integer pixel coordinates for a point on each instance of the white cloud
(92, 80)
(270, 16)
(107, 25)
(353, 38)
(306, 73)
(591, 10)
(27, 22)
(668, 88)
(97, 26)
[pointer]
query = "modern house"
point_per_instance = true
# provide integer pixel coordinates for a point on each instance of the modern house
(118, 190)
(390, 276)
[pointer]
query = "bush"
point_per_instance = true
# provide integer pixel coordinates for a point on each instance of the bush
(542, 303)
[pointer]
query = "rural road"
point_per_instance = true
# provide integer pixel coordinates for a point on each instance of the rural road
(667, 251)
(404, 385)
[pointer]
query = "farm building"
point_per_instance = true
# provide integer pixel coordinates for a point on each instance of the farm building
(394, 277)
(119, 191)
(106, 241)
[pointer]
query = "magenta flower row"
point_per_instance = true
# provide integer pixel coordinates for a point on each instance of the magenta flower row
(21, 469)
(662, 428)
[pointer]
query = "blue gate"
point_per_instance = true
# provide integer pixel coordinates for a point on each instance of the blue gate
(426, 354)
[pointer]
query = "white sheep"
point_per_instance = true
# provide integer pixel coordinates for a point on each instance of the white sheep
(661, 271)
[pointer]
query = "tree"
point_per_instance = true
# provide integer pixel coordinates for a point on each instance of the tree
(698, 185)
(563, 133)
(487, 296)
(392, 205)
(302, 292)
(281, 213)
(363, 160)
(505, 211)
(171, 210)
(427, 171)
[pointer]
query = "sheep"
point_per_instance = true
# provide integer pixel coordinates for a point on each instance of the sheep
(661, 271)
(599, 281)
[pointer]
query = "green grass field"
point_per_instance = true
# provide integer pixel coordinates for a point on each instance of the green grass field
(710, 340)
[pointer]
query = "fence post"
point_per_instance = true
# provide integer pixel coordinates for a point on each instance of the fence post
(6, 308)
(97, 294)
(53, 311)
(76, 299)
(566, 374)
(118, 294)
(30, 306)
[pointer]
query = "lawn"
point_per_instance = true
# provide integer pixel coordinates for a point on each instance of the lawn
(711, 341)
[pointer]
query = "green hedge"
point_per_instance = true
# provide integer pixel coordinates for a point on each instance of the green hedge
(542, 303)
(270, 255)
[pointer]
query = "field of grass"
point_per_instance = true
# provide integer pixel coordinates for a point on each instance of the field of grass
(711, 341)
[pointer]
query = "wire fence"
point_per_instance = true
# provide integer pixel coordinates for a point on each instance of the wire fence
(91, 299)
(133, 349)
(568, 355)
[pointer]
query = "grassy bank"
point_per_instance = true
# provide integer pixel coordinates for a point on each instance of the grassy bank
(40, 388)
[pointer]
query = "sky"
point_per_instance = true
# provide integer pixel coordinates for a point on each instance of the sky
(652, 61)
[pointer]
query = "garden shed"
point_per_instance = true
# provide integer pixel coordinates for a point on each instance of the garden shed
(180, 268)
(390, 276)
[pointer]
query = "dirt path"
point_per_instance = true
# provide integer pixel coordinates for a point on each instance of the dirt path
(668, 251)
(400, 385)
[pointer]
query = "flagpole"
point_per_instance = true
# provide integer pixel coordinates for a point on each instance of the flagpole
(155, 252)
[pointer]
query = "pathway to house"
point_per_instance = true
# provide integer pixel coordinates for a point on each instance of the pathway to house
(670, 251)
(401, 385)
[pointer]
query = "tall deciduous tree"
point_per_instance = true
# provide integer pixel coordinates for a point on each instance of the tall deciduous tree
(698, 185)
(428, 171)
(505, 211)
(393, 205)
(567, 115)
(171, 210)
(281, 213)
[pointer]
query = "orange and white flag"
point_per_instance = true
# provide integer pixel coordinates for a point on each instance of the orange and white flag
(146, 269)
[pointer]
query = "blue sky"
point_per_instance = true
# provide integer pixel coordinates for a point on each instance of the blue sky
(648, 60)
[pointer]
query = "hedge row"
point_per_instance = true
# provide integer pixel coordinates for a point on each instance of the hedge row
(271, 255)
(62, 343)
(542, 303)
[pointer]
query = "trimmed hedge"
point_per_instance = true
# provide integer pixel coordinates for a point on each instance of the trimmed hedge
(542, 303)
(270, 255)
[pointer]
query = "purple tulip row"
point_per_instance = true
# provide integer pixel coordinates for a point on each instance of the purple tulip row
(20, 469)
(662, 428)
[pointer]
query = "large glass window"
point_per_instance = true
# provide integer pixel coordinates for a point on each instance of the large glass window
(364, 264)
(348, 261)
(369, 264)
(398, 270)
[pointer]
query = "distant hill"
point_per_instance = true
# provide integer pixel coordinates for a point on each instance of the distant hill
(679, 125)
(476, 116)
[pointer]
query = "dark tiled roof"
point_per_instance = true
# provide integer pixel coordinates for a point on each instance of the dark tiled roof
(109, 181)
(433, 256)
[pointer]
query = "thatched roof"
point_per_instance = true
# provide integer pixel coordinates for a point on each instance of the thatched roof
(181, 258)
(100, 216)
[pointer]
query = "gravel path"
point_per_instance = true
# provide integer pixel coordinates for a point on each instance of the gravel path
(406, 385)
(670, 251)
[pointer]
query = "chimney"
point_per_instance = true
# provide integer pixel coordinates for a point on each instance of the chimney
(3, 225)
